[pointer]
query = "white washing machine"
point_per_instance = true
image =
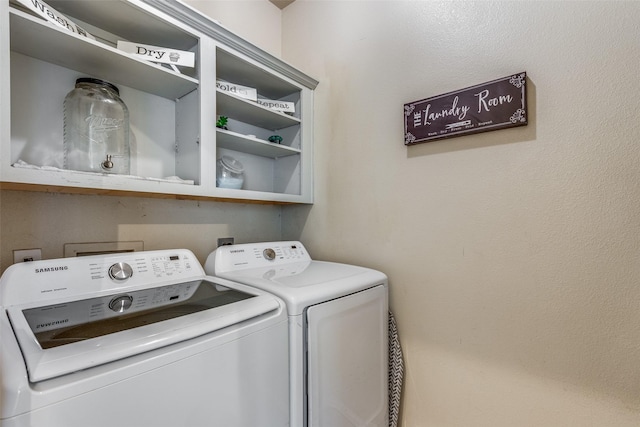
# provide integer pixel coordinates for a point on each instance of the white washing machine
(338, 320)
(139, 339)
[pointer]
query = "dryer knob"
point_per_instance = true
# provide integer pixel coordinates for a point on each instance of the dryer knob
(120, 271)
(121, 303)
(269, 254)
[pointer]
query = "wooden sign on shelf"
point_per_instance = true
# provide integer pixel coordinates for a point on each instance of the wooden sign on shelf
(44, 11)
(282, 106)
(162, 55)
(237, 90)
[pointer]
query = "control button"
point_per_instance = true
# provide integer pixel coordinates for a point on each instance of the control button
(269, 254)
(121, 303)
(120, 271)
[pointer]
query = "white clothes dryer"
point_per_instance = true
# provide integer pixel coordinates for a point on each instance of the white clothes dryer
(139, 339)
(338, 336)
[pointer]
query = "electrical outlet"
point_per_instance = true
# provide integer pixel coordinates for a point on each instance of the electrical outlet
(224, 241)
(26, 255)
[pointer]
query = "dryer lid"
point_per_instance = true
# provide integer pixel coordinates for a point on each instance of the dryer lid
(307, 283)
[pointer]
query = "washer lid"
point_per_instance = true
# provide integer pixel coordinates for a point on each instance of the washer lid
(69, 336)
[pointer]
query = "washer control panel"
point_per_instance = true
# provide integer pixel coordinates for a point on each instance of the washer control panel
(158, 266)
(76, 277)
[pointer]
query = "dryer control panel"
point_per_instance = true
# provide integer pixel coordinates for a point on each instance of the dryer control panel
(256, 255)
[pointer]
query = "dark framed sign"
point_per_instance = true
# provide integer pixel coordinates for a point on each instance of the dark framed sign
(494, 105)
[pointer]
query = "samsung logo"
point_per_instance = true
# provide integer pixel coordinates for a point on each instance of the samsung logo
(51, 269)
(54, 323)
(235, 251)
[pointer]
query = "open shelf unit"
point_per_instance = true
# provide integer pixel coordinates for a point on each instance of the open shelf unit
(174, 139)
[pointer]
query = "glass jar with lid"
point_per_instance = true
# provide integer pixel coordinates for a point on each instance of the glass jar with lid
(96, 128)
(229, 173)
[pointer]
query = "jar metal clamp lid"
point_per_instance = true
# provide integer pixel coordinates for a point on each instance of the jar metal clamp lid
(97, 82)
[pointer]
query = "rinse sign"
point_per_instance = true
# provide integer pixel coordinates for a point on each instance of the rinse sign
(497, 104)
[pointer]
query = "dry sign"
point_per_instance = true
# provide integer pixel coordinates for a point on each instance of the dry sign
(497, 104)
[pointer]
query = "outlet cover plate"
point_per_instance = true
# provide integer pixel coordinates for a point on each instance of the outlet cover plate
(224, 241)
(26, 255)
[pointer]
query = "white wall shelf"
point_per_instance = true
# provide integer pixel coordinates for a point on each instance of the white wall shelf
(251, 145)
(94, 58)
(249, 111)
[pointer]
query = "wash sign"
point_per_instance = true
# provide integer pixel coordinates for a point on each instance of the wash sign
(497, 104)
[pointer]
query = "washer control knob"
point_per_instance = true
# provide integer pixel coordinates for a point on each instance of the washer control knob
(121, 303)
(120, 271)
(269, 254)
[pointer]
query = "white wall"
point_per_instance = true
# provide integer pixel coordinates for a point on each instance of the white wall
(255, 20)
(49, 221)
(513, 256)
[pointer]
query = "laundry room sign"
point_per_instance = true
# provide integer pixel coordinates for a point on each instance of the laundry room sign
(494, 105)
